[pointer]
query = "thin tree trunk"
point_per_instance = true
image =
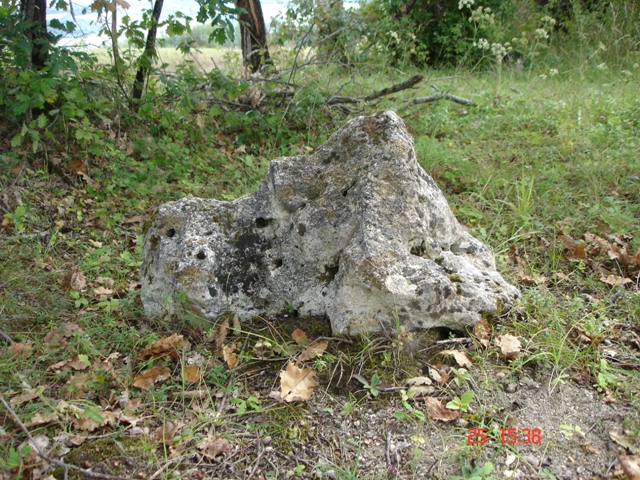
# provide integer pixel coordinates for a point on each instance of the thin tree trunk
(253, 35)
(35, 12)
(147, 56)
(114, 34)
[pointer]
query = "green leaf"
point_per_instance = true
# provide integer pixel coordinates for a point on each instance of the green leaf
(466, 398)
(93, 413)
(84, 359)
(17, 140)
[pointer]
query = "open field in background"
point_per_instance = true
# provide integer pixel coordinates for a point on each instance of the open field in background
(227, 60)
(545, 170)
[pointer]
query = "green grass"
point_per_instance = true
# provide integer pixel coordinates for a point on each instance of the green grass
(538, 157)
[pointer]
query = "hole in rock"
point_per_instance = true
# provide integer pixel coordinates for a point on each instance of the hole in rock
(301, 229)
(277, 262)
(330, 272)
(201, 255)
(171, 232)
(210, 232)
(418, 250)
(262, 222)
(344, 192)
(212, 291)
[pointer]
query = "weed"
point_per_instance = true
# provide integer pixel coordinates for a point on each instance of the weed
(369, 385)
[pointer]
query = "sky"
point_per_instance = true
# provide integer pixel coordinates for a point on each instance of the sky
(88, 21)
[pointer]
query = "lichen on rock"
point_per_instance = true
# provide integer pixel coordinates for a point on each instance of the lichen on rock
(357, 231)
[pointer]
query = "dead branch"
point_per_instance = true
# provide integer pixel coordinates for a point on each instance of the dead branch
(335, 100)
(58, 463)
(439, 95)
(27, 236)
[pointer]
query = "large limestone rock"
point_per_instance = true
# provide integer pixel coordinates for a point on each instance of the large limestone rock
(357, 231)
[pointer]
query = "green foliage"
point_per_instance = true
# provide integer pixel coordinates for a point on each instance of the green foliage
(461, 403)
(369, 385)
(478, 472)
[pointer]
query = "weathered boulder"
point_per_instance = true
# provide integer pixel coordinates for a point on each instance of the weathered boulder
(356, 231)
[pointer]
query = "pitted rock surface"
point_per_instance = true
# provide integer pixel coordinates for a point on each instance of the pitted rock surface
(357, 231)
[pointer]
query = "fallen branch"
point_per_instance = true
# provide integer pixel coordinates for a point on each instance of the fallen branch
(58, 463)
(336, 100)
(439, 95)
(27, 236)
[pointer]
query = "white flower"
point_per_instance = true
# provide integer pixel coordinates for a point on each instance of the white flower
(465, 3)
(541, 33)
(498, 51)
(393, 34)
(549, 21)
(553, 72)
(543, 76)
(482, 44)
(602, 66)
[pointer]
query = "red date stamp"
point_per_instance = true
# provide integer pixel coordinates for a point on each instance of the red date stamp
(512, 436)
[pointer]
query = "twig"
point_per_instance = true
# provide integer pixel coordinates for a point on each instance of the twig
(257, 462)
(388, 452)
(380, 93)
(334, 339)
(58, 463)
(439, 95)
(31, 235)
(4, 335)
(295, 59)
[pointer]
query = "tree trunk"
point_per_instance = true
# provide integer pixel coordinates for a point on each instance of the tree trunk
(253, 35)
(35, 12)
(147, 56)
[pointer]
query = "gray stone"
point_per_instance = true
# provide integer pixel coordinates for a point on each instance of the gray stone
(356, 231)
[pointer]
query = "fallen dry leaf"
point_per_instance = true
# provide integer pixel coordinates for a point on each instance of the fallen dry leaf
(103, 293)
(21, 349)
(78, 383)
(630, 465)
(437, 410)
(58, 337)
(220, 335)
(418, 381)
(420, 386)
(299, 337)
(297, 384)
(85, 423)
(313, 351)
(509, 345)
(212, 447)
(621, 439)
(165, 346)
(166, 432)
(572, 249)
(27, 396)
(68, 364)
(106, 281)
(151, 376)
(525, 278)
(562, 276)
(461, 358)
(74, 280)
(615, 280)
(229, 355)
(192, 373)
(41, 419)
